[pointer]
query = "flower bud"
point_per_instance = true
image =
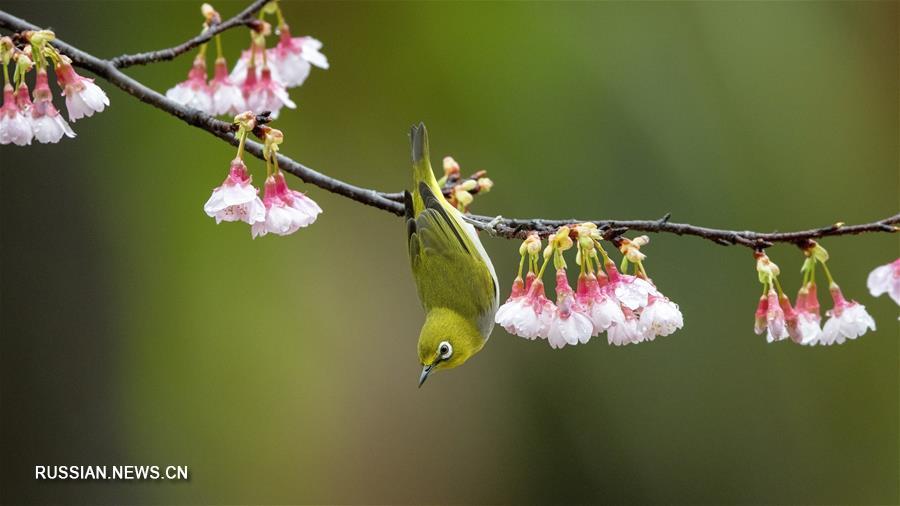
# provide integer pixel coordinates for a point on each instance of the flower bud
(212, 17)
(532, 244)
(40, 37)
(485, 184)
(631, 248)
(6, 50)
(818, 252)
(463, 197)
(246, 120)
(561, 240)
(451, 168)
(468, 185)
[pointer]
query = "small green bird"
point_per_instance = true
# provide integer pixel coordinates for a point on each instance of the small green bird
(454, 275)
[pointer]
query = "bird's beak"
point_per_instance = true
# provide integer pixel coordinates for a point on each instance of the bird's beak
(426, 370)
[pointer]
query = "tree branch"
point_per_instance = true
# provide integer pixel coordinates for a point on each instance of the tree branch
(244, 18)
(510, 228)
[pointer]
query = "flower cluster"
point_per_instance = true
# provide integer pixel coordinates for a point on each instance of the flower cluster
(281, 211)
(463, 191)
(629, 308)
(24, 118)
(778, 319)
(260, 78)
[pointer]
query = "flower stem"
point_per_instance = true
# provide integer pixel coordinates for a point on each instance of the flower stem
(218, 46)
(280, 16)
(827, 274)
(521, 264)
(242, 137)
(5, 73)
(543, 266)
(777, 285)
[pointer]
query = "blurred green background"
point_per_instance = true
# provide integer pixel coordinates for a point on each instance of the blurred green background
(283, 370)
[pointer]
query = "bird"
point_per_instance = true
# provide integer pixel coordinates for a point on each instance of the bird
(454, 276)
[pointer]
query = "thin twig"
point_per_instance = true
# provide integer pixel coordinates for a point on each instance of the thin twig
(243, 18)
(509, 228)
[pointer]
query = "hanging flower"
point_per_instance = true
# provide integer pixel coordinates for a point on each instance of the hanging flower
(292, 57)
(508, 313)
(761, 309)
(776, 326)
(286, 210)
(227, 97)
(660, 317)
(847, 320)
(535, 318)
(569, 324)
(46, 122)
(791, 319)
(243, 67)
(886, 279)
(268, 95)
(15, 125)
(602, 309)
(83, 97)
(194, 92)
(625, 332)
(808, 328)
(236, 199)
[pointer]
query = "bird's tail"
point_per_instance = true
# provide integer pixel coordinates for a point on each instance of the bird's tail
(422, 172)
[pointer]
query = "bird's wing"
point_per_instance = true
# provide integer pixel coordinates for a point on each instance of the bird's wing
(459, 273)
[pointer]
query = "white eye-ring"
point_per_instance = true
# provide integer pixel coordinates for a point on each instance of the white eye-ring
(445, 350)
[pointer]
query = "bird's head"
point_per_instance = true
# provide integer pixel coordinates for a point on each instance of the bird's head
(447, 340)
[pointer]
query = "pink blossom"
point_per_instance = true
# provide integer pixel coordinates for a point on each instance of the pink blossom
(661, 317)
(633, 292)
(194, 91)
(761, 309)
(630, 291)
(807, 329)
(83, 97)
(267, 95)
(791, 318)
(292, 57)
(227, 97)
(530, 316)
(46, 122)
(508, 312)
(626, 331)
(15, 125)
(602, 309)
(240, 73)
(236, 199)
(569, 323)
(776, 326)
(286, 210)
(847, 320)
(886, 279)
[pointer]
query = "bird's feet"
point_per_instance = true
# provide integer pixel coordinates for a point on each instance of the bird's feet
(489, 227)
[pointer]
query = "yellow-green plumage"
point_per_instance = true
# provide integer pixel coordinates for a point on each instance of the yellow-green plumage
(454, 276)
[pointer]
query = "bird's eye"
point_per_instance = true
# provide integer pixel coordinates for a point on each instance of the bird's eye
(445, 350)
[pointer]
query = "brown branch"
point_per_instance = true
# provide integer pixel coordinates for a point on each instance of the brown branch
(243, 18)
(510, 228)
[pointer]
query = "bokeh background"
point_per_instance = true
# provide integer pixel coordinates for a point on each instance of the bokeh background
(283, 370)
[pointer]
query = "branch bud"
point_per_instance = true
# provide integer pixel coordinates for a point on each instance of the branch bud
(451, 168)
(246, 121)
(210, 14)
(6, 49)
